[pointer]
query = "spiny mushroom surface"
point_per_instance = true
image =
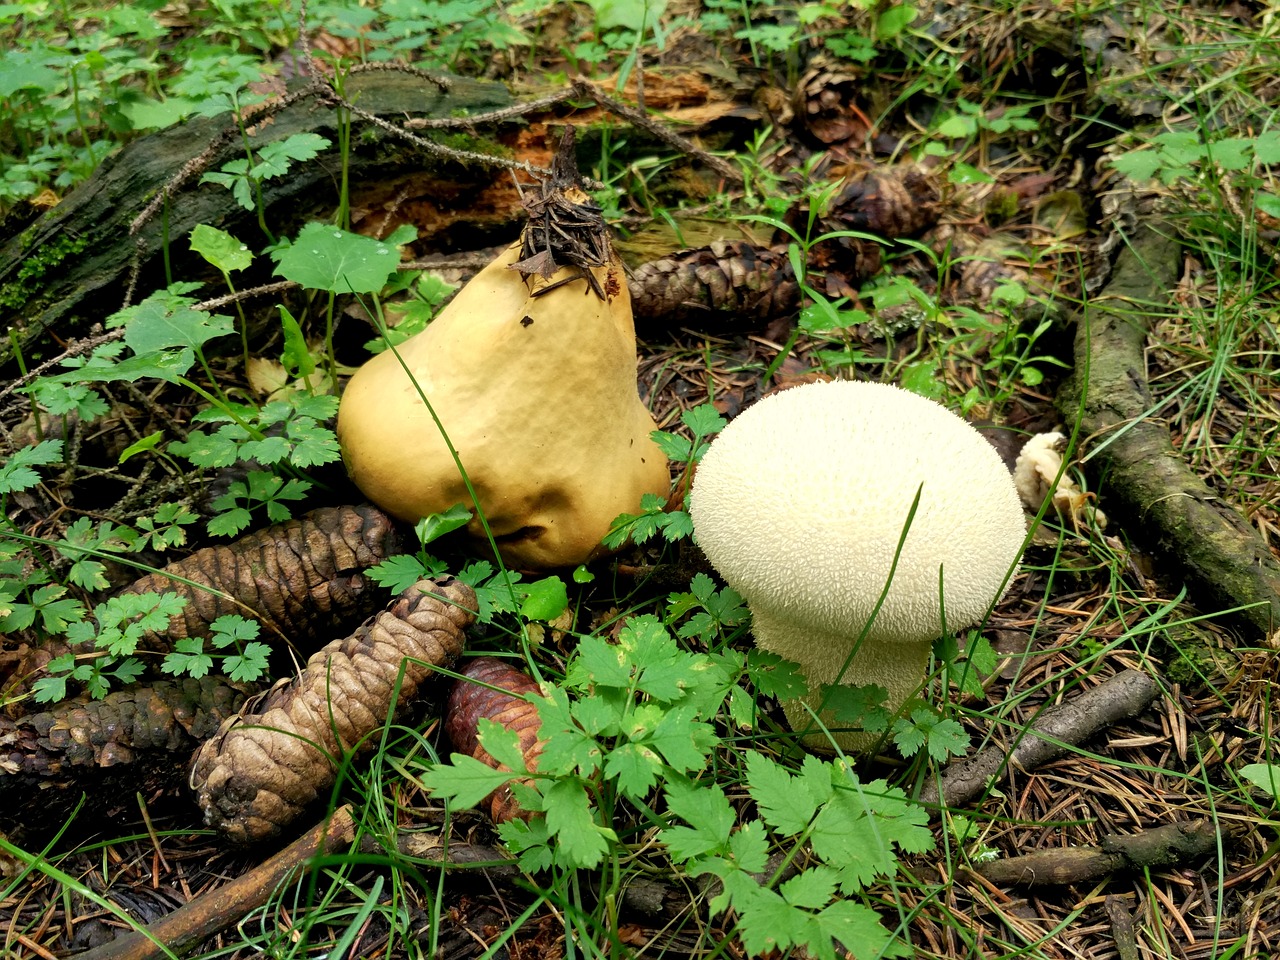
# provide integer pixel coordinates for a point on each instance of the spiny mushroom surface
(800, 504)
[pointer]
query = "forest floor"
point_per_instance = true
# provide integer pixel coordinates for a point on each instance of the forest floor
(951, 198)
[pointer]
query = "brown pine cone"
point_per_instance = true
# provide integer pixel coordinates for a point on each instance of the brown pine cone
(469, 702)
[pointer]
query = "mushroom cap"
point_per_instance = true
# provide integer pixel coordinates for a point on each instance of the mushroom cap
(801, 501)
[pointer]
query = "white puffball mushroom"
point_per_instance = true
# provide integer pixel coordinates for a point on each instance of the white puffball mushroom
(800, 504)
(1039, 466)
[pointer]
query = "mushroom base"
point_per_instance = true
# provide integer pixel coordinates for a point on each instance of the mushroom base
(898, 666)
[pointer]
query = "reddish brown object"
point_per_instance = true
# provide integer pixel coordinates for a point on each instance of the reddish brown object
(470, 702)
(265, 766)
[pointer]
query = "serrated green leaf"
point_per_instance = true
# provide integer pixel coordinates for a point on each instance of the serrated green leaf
(250, 665)
(530, 842)
(676, 525)
(957, 127)
(749, 847)
(326, 258)
(503, 744)
(398, 573)
(861, 706)
(811, 888)
(168, 366)
(188, 657)
(17, 472)
(163, 321)
(599, 664)
(857, 830)
(580, 841)
(602, 713)
(635, 767)
(709, 815)
(567, 749)
(50, 689)
(787, 804)
(703, 420)
(89, 574)
(129, 670)
(220, 248)
(230, 523)
(683, 742)
(463, 781)
(772, 676)
(266, 451)
(1266, 147)
(673, 446)
(232, 629)
(1138, 165)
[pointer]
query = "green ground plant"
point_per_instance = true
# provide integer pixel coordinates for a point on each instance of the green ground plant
(664, 759)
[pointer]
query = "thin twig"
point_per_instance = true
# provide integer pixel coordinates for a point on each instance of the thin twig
(586, 88)
(465, 156)
(201, 918)
(491, 116)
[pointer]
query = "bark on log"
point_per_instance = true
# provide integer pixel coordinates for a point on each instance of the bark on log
(1166, 846)
(71, 267)
(1221, 557)
(1070, 723)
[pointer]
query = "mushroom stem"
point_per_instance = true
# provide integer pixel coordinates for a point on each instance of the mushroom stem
(897, 665)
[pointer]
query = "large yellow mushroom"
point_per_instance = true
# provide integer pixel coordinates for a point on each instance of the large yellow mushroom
(531, 372)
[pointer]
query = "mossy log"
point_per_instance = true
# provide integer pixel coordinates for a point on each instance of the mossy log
(1202, 538)
(71, 267)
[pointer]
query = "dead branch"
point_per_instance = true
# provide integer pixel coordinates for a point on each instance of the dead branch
(1221, 557)
(1167, 846)
(585, 88)
(265, 766)
(1051, 735)
(220, 909)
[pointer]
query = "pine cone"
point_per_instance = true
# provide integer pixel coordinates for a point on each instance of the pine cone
(728, 284)
(470, 702)
(267, 765)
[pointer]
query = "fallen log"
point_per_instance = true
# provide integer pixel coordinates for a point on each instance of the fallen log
(1220, 556)
(1167, 846)
(71, 268)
